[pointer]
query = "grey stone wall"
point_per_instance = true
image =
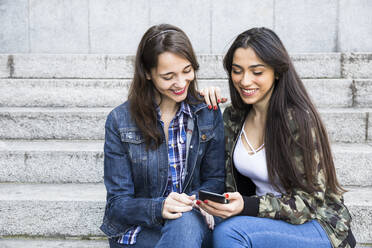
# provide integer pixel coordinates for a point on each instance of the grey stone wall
(115, 26)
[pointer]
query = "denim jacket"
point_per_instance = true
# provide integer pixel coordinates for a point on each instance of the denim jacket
(136, 178)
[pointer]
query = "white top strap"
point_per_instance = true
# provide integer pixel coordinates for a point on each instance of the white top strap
(249, 143)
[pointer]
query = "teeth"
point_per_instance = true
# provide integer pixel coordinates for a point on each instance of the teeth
(249, 91)
(178, 91)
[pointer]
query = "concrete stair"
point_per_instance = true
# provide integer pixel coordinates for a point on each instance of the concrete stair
(77, 161)
(344, 124)
(311, 65)
(52, 113)
(92, 93)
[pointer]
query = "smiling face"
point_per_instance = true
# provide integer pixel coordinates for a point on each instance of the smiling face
(172, 76)
(252, 78)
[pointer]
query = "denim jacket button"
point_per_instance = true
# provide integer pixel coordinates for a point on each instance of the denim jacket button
(204, 137)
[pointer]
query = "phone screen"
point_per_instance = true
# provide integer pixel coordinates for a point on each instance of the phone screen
(206, 195)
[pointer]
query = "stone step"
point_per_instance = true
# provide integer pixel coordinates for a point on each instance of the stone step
(110, 93)
(363, 93)
(308, 65)
(344, 124)
(52, 243)
(359, 203)
(51, 209)
(60, 161)
(356, 65)
(59, 243)
(55, 161)
(77, 209)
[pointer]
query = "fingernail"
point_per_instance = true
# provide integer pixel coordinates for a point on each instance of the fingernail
(209, 107)
(205, 201)
(226, 196)
(215, 107)
(224, 99)
(219, 100)
(198, 202)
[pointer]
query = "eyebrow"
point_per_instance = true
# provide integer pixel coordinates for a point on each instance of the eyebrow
(169, 73)
(252, 66)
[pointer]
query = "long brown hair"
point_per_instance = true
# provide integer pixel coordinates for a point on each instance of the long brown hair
(157, 39)
(289, 96)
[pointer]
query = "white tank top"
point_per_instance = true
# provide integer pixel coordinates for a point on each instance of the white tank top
(253, 166)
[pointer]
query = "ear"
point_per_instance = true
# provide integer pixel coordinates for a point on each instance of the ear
(148, 76)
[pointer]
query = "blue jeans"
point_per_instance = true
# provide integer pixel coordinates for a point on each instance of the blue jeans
(246, 231)
(190, 230)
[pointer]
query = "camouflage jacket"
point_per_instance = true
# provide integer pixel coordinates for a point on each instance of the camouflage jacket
(295, 207)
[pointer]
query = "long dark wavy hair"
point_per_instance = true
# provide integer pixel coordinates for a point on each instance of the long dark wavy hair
(157, 39)
(289, 96)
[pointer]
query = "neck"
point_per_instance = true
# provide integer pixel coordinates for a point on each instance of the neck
(259, 109)
(259, 112)
(166, 105)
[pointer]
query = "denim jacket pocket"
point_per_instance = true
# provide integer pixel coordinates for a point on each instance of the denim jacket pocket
(137, 153)
(206, 133)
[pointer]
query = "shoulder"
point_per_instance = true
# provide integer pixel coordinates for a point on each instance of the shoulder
(298, 116)
(120, 115)
(228, 113)
(203, 113)
(232, 118)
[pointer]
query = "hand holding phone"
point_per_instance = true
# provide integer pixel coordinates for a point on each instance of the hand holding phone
(206, 195)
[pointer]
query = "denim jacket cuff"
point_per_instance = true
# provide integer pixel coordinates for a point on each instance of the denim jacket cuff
(157, 207)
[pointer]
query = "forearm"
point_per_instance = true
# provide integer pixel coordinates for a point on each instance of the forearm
(136, 211)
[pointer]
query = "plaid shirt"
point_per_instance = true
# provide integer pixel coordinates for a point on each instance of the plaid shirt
(176, 158)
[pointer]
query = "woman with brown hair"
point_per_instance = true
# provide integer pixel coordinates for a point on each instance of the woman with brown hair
(280, 176)
(161, 147)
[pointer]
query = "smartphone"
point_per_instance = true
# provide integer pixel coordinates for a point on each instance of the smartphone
(206, 195)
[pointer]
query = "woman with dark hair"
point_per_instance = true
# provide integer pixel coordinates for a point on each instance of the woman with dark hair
(280, 176)
(161, 147)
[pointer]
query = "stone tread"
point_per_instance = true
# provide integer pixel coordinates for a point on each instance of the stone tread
(52, 243)
(97, 145)
(309, 65)
(343, 124)
(112, 92)
(77, 210)
(77, 161)
(59, 243)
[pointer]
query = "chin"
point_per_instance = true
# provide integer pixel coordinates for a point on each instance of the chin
(180, 98)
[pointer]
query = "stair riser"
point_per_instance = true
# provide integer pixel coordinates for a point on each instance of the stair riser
(362, 223)
(87, 167)
(357, 65)
(110, 93)
(84, 218)
(48, 218)
(51, 167)
(342, 126)
(121, 66)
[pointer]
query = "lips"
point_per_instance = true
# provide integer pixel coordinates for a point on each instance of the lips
(179, 92)
(248, 92)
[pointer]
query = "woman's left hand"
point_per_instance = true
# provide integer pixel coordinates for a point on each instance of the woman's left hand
(234, 207)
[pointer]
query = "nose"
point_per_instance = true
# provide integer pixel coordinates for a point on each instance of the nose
(246, 80)
(180, 82)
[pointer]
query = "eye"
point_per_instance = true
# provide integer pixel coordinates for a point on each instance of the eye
(256, 73)
(168, 78)
(188, 70)
(236, 71)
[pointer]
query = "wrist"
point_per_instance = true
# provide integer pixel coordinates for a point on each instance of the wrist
(250, 206)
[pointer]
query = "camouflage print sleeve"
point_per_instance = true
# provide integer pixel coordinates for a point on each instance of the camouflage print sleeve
(229, 136)
(297, 206)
